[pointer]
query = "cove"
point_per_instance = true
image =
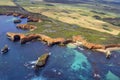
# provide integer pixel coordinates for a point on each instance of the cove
(65, 63)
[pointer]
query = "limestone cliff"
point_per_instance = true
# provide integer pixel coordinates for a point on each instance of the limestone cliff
(15, 36)
(28, 38)
(52, 41)
(87, 44)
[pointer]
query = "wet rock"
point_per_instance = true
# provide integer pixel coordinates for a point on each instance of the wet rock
(42, 60)
(5, 49)
(17, 21)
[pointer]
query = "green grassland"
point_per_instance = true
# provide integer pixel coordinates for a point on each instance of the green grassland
(67, 20)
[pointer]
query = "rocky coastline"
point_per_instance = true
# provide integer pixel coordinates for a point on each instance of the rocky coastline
(61, 41)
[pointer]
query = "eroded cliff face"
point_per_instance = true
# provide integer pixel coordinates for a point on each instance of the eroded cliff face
(26, 38)
(52, 41)
(87, 44)
(112, 45)
(26, 27)
(101, 48)
(16, 14)
(23, 16)
(15, 36)
(29, 38)
(32, 19)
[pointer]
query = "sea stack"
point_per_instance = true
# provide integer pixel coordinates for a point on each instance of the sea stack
(42, 60)
(108, 54)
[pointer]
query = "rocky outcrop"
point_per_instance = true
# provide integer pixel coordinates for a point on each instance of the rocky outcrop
(17, 21)
(93, 46)
(51, 41)
(26, 27)
(112, 45)
(42, 60)
(29, 38)
(15, 36)
(5, 49)
(23, 16)
(87, 44)
(31, 19)
(77, 38)
(26, 38)
(16, 14)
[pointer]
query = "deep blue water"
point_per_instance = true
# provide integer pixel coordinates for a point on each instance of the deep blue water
(65, 63)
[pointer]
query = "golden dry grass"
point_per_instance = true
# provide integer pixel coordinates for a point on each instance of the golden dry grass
(77, 16)
(6, 3)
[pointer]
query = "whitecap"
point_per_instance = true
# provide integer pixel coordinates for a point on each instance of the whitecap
(32, 62)
(81, 48)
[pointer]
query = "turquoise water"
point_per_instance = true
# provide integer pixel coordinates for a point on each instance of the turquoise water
(65, 63)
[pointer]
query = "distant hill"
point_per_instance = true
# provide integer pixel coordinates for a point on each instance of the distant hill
(79, 1)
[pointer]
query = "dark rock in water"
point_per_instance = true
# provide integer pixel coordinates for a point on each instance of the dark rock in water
(108, 56)
(17, 21)
(42, 60)
(5, 49)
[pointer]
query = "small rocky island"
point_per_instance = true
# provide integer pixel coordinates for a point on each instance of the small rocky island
(41, 61)
(5, 49)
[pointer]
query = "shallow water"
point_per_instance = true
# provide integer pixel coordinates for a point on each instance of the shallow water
(65, 63)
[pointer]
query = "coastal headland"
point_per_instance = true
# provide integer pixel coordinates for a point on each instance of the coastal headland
(74, 37)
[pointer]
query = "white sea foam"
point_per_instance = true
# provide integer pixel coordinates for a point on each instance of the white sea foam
(80, 48)
(49, 53)
(32, 62)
